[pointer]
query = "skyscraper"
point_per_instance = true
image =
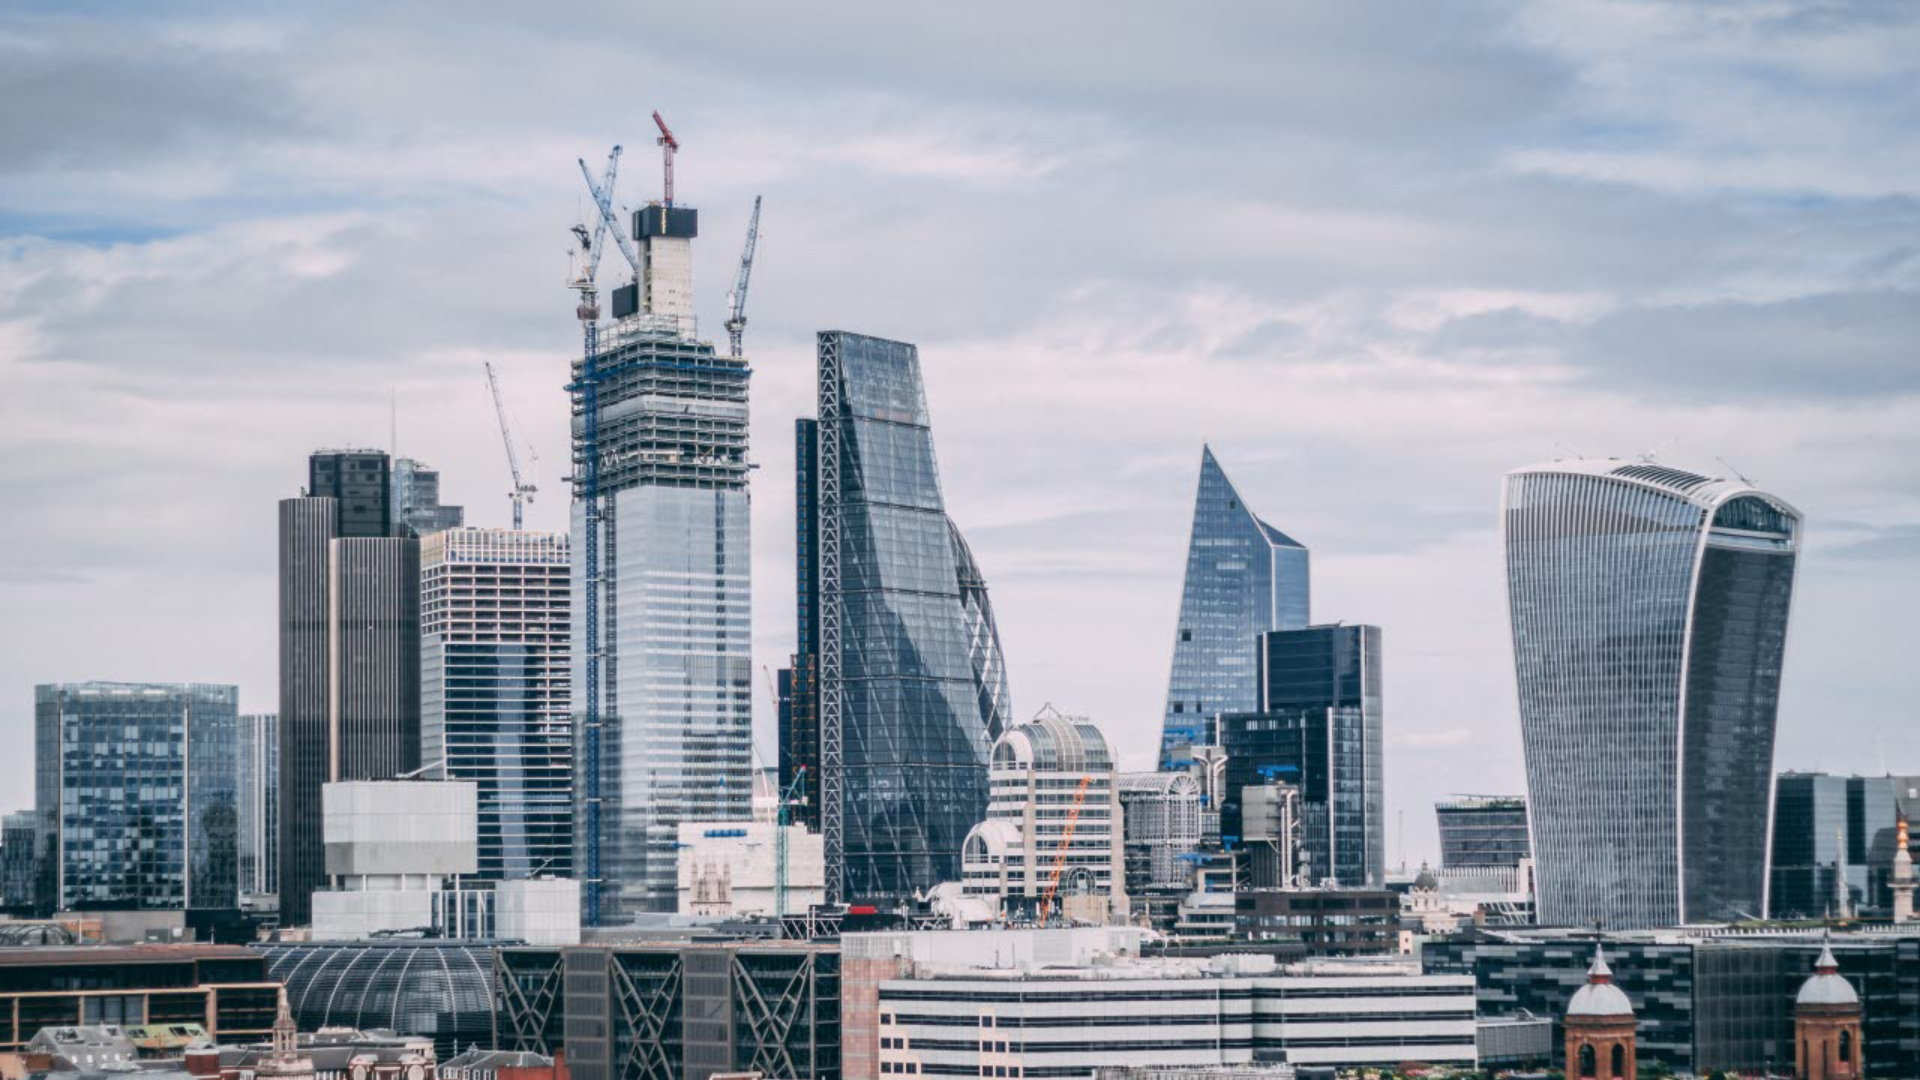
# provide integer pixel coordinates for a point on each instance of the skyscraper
(1320, 727)
(660, 431)
(1826, 826)
(899, 687)
(257, 764)
(349, 652)
(494, 682)
(1244, 578)
(417, 509)
(1649, 610)
(137, 782)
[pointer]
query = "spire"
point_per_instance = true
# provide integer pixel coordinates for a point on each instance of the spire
(1826, 964)
(1599, 972)
(285, 1047)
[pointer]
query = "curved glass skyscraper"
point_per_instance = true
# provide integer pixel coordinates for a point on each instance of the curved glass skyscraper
(1649, 611)
(1244, 578)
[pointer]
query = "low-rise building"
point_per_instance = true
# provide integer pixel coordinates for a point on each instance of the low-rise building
(1329, 922)
(731, 868)
(1062, 1002)
(224, 989)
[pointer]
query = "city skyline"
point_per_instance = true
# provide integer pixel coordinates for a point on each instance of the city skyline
(1366, 347)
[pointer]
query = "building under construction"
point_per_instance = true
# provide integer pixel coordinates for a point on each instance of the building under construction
(661, 668)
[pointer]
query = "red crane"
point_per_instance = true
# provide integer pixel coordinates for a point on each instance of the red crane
(668, 144)
(1066, 842)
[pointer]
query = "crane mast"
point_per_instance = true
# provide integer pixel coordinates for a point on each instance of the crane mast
(1066, 845)
(668, 144)
(737, 296)
(523, 489)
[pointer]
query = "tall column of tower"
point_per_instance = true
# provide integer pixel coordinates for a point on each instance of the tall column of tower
(1903, 883)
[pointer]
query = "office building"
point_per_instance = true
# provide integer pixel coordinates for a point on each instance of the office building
(1319, 727)
(349, 652)
(434, 989)
(417, 509)
(1827, 827)
(392, 846)
(136, 783)
(898, 689)
(1244, 578)
(257, 766)
(1483, 830)
(675, 1011)
(662, 664)
(1053, 825)
(732, 868)
(1327, 922)
(494, 685)
(26, 865)
(1160, 814)
(223, 988)
(1706, 1002)
(1649, 611)
(1063, 1002)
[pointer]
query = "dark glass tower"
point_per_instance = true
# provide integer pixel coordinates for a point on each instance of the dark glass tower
(349, 653)
(1826, 826)
(139, 783)
(1649, 610)
(1321, 728)
(1483, 830)
(896, 632)
(1244, 577)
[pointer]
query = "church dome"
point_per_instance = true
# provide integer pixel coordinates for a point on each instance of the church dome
(1599, 997)
(1827, 986)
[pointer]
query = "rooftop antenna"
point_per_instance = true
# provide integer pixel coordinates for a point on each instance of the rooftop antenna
(1734, 471)
(393, 422)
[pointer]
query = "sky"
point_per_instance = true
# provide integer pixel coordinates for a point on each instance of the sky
(1375, 254)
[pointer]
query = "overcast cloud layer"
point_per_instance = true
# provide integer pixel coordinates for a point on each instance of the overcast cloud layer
(1375, 254)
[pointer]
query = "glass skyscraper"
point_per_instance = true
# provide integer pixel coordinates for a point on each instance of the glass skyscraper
(1483, 830)
(668, 441)
(1244, 578)
(1649, 610)
(494, 688)
(899, 688)
(257, 762)
(138, 784)
(1321, 727)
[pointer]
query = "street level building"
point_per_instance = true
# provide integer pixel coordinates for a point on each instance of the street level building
(898, 687)
(223, 988)
(1649, 609)
(1244, 578)
(349, 652)
(494, 686)
(1320, 728)
(663, 677)
(137, 784)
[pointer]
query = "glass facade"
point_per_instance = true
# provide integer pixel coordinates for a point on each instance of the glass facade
(1244, 578)
(1483, 830)
(911, 686)
(417, 510)
(139, 786)
(437, 989)
(494, 689)
(1824, 826)
(1322, 728)
(257, 762)
(1649, 612)
(676, 678)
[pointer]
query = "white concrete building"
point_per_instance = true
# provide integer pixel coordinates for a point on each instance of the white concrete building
(538, 911)
(1047, 776)
(1060, 1003)
(729, 868)
(391, 847)
(1163, 821)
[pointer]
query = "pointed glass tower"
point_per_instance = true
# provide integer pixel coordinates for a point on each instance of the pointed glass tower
(1244, 578)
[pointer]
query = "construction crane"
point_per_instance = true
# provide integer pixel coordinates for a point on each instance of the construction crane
(737, 296)
(795, 795)
(585, 390)
(668, 144)
(603, 200)
(1066, 843)
(523, 488)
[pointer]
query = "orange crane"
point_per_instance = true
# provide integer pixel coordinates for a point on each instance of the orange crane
(1066, 842)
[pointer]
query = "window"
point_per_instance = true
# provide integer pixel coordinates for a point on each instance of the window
(1619, 1060)
(1587, 1064)
(1846, 1045)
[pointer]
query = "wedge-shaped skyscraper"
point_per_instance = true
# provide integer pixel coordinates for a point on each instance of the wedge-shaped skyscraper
(1244, 578)
(1649, 614)
(898, 689)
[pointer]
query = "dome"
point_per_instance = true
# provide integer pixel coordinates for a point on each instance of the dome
(1827, 986)
(1051, 742)
(1599, 997)
(1426, 879)
(439, 988)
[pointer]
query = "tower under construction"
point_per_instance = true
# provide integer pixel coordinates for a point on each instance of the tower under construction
(662, 668)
